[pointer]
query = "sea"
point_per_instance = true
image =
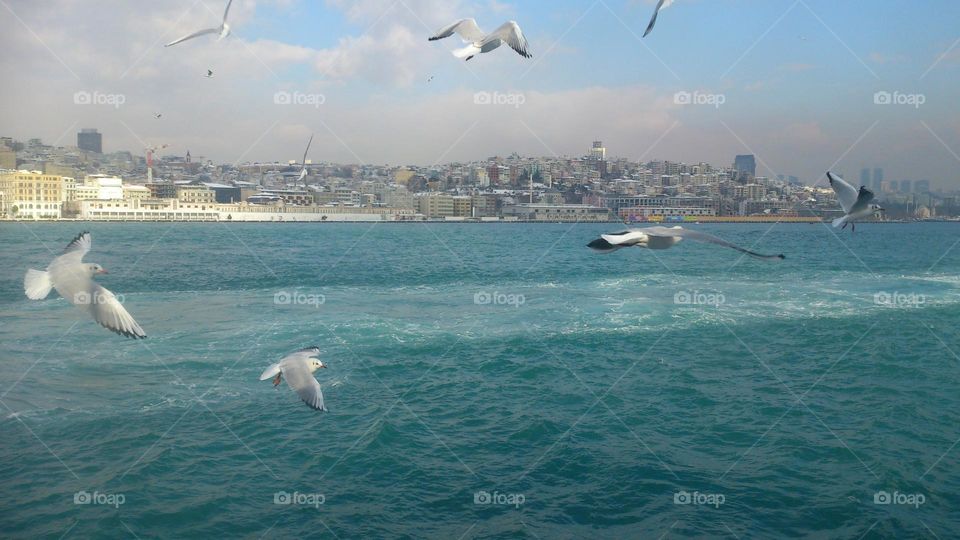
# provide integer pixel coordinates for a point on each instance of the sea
(486, 381)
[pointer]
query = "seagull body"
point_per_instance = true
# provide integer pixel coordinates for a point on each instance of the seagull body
(303, 163)
(73, 279)
(855, 203)
(478, 42)
(223, 30)
(653, 20)
(298, 368)
(158, 115)
(209, 73)
(663, 238)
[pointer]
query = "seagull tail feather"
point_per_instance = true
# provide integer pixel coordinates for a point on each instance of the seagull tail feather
(37, 284)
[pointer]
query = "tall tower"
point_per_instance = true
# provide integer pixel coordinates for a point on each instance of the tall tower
(90, 140)
(878, 180)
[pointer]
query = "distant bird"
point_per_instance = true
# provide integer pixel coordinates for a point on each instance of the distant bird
(430, 79)
(73, 279)
(653, 20)
(298, 368)
(157, 115)
(479, 43)
(223, 30)
(303, 163)
(663, 238)
(209, 74)
(855, 203)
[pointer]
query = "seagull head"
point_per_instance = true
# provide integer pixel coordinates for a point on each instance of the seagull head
(877, 208)
(316, 364)
(224, 31)
(95, 269)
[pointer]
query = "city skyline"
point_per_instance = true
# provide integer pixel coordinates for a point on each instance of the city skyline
(385, 95)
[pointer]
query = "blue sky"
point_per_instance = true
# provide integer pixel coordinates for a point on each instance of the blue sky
(798, 80)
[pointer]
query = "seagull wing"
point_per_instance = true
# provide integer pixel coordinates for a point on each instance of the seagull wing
(846, 194)
(301, 380)
(510, 34)
(625, 238)
(110, 313)
(305, 152)
(193, 35)
(467, 29)
(76, 249)
(227, 11)
(704, 237)
(653, 20)
(864, 196)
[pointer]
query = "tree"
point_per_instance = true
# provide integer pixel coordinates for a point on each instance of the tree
(14, 210)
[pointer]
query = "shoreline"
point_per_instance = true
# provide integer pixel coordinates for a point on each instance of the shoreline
(731, 221)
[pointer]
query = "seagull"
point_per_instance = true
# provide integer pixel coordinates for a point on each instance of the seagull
(158, 115)
(663, 238)
(856, 204)
(653, 20)
(303, 164)
(209, 73)
(298, 367)
(73, 279)
(480, 43)
(223, 30)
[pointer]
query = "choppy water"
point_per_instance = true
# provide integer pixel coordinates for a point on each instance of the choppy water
(582, 390)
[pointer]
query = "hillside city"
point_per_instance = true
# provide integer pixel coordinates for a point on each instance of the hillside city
(46, 182)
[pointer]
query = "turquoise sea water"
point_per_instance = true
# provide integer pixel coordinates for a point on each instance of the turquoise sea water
(467, 360)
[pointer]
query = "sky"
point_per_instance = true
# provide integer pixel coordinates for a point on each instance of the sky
(794, 82)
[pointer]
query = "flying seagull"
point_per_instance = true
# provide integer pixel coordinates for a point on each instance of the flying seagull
(663, 238)
(223, 30)
(479, 42)
(73, 279)
(855, 203)
(298, 368)
(303, 163)
(157, 115)
(209, 73)
(653, 20)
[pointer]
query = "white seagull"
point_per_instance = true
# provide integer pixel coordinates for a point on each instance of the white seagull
(663, 238)
(479, 42)
(223, 30)
(653, 20)
(303, 163)
(73, 279)
(855, 203)
(298, 368)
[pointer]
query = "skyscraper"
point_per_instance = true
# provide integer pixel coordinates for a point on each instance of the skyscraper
(90, 140)
(878, 180)
(746, 163)
(921, 186)
(905, 186)
(865, 177)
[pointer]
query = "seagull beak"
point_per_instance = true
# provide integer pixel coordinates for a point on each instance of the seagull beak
(102, 271)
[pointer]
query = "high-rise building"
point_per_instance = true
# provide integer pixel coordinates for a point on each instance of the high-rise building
(746, 164)
(878, 179)
(598, 152)
(90, 140)
(921, 186)
(865, 177)
(31, 195)
(905, 186)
